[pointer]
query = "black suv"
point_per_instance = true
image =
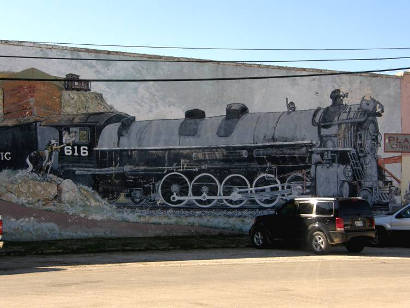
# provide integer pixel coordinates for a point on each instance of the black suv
(317, 222)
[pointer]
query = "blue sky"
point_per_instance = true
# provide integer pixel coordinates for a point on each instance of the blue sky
(239, 23)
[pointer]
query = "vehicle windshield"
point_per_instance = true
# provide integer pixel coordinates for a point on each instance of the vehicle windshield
(354, 207)
(397, 210)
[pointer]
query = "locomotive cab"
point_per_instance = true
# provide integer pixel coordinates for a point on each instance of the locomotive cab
(78, 136)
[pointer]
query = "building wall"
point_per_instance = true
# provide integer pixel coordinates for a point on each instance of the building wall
(1, 103)
(171, 99)
(405, 120)
(161, 100)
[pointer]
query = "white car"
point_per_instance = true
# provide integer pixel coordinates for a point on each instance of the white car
(393, 226)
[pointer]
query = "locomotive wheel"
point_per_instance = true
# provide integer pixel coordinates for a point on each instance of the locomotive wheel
(299, 184)
(231, 187)
(269, 196)
(174, 185)
(205, 185)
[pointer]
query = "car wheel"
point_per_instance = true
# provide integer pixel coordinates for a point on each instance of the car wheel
(354, 246)
(318, 242)
(381, 236)
(259, 238)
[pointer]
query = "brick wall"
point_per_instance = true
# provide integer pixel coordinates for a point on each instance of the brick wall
(22, 99)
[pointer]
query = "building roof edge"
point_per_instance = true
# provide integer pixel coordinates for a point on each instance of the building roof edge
(160, 57)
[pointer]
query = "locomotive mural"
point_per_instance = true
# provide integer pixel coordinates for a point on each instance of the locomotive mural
(231, 161)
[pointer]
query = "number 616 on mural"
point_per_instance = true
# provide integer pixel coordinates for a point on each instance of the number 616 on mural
(76, 150)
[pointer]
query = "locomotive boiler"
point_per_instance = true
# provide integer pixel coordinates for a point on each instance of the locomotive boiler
(241, 157)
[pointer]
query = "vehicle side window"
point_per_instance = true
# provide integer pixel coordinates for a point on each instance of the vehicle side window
(324, 208)
(404, 214)
(288, 209)
(305, 208)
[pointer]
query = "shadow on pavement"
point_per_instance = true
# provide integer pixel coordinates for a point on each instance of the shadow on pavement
(15, 271)
(11, 265)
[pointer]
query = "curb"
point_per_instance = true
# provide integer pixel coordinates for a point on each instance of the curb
(122, 244)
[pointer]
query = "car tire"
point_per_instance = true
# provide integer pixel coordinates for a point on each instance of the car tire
(381, 237)
(258, 238)
(318, 243)
(354, 246)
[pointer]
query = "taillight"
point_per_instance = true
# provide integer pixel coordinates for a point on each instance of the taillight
(340, 224)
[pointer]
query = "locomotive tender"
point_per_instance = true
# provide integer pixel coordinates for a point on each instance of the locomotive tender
(239, 157)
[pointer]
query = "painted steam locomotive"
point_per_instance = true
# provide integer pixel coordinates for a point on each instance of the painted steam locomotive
(242, 157)
(236, 159)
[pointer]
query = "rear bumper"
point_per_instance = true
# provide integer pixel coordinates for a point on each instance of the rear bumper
(341, 237)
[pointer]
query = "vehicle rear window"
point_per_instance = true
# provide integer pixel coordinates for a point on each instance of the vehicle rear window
(324, 208)
(354, 207)
(305, 208)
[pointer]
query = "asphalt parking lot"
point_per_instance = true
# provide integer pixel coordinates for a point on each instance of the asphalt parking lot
(234, 277)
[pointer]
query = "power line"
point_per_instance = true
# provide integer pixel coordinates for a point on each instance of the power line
(209, 79)
(214, 48)
(203, 61)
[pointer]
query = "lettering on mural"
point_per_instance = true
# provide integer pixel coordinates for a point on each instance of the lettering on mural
(5, 155)
(397, 143)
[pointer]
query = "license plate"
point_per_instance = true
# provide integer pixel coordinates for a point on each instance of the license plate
(358, 223)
